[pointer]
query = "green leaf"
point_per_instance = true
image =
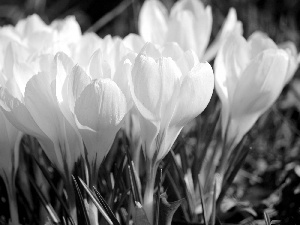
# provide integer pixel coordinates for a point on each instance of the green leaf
(167, 210)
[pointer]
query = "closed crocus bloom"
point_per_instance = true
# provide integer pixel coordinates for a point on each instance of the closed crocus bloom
(96, 103)
(189, 24)
(162, 88)
(249, 77)
(31, 106)
(168, 93)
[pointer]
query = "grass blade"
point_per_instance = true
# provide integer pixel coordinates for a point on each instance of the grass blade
(81, 202)
(52, 214)
(202, 201)
(267, 219)
(95, 201)
(213, 214)
(106, 207)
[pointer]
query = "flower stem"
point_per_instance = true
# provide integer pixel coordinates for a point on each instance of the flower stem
(149, 191)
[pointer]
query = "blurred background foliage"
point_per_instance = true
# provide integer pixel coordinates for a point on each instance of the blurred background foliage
(271, 176)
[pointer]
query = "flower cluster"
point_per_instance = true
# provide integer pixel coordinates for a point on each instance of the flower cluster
(73, 92)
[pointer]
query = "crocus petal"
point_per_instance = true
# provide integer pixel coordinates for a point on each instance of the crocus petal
(229, 63)
(19, 116)
(31, 25)
(172, 50)
(291, 49)
(134, 42)
(123, 74)
(100, 110)
(190, 25)
(85, 48)
(98, 67)
(258, 42)
(144, 84)
(261, 83)
(153, 21)
(76, 82)
(230, 25)
(195, 93)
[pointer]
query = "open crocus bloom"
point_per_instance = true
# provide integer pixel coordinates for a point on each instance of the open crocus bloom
(249, 77)
(168, 92)
(189, 24)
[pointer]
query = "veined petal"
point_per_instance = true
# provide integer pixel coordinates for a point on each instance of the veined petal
(76, 83)
(98, 67)
(101, 104)
(134, 42)
(100, 109)
(195, 93)
(182, 30)
(194, 6)
(170, 76)
(259, 42)
(85, 48)
(153, 21)
(122, 76)
(31, 25)
(261, 83)
(172, 50)
(145, 84)
(40, 103)
(230, 25)
(20, 117)
(187, 61)
(291, 49)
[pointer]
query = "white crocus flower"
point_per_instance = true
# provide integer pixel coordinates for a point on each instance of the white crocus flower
(169, 88)
(189, 24)
(250, 76)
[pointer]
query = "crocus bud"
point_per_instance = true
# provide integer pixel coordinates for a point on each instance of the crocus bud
(97, 105)
(249, 77)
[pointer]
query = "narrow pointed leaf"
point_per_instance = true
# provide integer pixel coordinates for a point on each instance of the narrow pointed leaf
(267, 219)
(202, 201)
(213, 214)
(106, 207)
(95, 201)
(81, 202)
(52, 214)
